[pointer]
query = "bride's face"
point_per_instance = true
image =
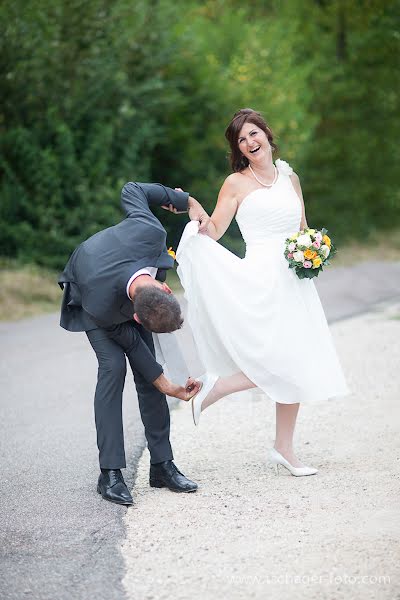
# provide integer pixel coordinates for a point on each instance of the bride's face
(253, 143)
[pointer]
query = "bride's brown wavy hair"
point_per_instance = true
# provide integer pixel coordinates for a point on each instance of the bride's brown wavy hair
(242, 116)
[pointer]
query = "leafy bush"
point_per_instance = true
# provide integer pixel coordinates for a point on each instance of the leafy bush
(97, 93)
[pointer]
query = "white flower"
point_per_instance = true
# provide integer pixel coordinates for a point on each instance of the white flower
(325, 250)
(292, 246)
(283, 167)
(304, 240)
(298, 256)
(318, 236)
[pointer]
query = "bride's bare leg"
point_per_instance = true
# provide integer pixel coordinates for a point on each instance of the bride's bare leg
(286, 416)
(227, 385)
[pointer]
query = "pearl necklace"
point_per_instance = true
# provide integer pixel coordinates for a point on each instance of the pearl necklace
(267, 185)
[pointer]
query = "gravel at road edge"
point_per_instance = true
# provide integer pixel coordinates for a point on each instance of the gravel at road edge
(247, 533)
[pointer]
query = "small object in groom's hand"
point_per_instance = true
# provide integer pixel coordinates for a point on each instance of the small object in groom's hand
(192, 385)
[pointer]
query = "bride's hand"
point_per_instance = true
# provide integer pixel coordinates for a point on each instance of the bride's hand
(197, 213)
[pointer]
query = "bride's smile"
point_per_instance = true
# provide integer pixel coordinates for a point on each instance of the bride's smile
(254, 145)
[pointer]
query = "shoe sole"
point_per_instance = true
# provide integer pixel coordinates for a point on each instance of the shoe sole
(114, 501)
(276, 466)
(162, 485)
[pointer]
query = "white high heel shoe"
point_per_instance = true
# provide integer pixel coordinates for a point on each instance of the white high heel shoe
(275, 459)
(208, 380)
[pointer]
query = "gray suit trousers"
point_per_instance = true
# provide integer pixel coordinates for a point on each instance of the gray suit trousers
(111, 346)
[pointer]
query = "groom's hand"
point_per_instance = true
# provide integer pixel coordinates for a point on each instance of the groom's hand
(192, 386)
(177, 391)
(186, 393)
(171, 207)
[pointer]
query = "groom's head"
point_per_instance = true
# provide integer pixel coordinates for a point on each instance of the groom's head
(157, 309)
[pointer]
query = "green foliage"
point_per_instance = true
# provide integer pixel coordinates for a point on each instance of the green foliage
(97, 93)
(350, 172)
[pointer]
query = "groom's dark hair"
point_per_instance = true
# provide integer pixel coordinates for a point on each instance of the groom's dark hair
(157, 311)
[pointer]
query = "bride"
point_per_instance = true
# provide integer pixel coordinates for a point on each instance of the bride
(254, 322)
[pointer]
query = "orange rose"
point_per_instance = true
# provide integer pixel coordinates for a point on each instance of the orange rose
(171, 253)
(327, 240)
(310, 254)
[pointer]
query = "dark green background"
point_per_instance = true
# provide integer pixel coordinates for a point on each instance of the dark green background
(96, 93)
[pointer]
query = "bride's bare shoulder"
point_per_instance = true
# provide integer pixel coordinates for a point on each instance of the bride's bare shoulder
(235, 184)
(235, 179)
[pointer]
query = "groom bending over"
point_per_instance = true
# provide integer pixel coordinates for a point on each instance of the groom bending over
(114, 290)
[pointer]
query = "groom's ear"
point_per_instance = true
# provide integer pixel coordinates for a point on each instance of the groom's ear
(136, 318)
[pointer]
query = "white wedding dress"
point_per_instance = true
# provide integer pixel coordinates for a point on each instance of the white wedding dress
(254, 314)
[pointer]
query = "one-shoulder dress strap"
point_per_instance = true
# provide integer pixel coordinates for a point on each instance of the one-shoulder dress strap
(283, 167)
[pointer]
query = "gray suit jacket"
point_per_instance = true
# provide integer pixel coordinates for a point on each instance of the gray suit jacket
(95, 277)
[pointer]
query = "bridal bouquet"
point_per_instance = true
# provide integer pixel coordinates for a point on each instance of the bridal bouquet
(308, 251)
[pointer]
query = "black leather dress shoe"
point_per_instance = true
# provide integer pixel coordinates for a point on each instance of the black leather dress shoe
(166, 474)
(112, 487)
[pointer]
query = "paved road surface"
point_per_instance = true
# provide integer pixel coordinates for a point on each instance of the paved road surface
(59, 540)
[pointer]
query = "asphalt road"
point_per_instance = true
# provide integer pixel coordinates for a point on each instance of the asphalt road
(59, 539)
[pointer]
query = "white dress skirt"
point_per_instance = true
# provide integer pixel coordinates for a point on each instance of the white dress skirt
(254, 314)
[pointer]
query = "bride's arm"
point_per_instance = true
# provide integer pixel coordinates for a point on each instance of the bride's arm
(225, 209)
(296, 184)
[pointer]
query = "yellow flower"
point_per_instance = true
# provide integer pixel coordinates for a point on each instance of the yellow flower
(171, 253)
(316, 262)
(310, 254)
(327, 240)
(311, 231)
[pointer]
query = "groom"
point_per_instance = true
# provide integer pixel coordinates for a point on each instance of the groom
(114, 290)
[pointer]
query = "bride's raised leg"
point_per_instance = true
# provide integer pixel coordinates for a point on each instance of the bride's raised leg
(286, 417)
(225, 386)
